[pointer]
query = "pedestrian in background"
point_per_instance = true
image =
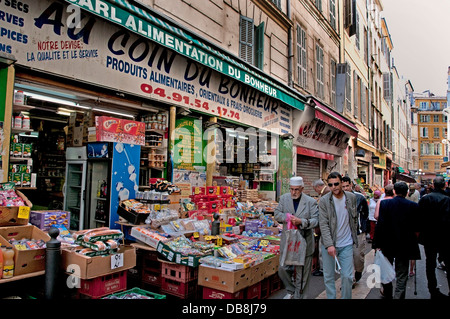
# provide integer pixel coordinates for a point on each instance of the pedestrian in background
(372, 206)
(302, 211)
(362, 230)
(435, 208)
(395, 235)
(413, 194)
(338, 220)
(388, 194)
(321, 189)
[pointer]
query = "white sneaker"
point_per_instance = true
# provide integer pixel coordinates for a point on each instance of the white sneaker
(288, 296)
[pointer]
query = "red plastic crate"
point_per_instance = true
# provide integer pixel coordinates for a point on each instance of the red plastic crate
(179, 289)
(178, 272)
(275, 283)
(104, 285)
(253, 292)
(265, 288)
(151, 277)
(209, 293)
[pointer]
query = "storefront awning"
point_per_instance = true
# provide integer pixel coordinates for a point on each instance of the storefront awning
(313, 153)
(405, 178)
(334, 119)
(145, 22)
(366, 146)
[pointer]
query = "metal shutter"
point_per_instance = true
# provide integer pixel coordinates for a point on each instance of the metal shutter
(309, 169)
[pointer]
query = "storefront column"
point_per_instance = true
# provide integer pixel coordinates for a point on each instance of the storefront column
(7, 74)
(171, 140)
(210, 155)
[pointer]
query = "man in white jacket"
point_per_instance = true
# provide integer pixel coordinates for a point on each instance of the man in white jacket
(302, 212)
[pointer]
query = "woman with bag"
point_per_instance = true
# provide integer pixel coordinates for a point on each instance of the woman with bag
(299, 215)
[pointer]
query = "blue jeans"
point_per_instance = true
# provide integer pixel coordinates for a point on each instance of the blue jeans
(345, 258)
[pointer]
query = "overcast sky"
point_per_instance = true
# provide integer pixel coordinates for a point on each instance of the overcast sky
(420, 33)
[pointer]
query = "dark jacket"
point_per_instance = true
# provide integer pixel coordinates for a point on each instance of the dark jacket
(396, 228)
(435, 212)
(363, 213)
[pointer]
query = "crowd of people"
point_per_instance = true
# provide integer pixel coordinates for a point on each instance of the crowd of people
(338, 225)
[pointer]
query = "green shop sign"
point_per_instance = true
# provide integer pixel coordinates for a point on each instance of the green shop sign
(143, 23)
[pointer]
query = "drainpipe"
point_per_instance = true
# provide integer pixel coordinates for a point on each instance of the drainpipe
(290, 54)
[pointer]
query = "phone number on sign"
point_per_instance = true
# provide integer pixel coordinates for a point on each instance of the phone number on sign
(189, 101)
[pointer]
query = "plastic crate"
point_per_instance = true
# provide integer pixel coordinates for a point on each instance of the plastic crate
(179, 272)
(104, 285)
(151, 277)
(275, 283)
(253, 292)
(184, 290)
(136, 291)
(209, 293)
(265, 288)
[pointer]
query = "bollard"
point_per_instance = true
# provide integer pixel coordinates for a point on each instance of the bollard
(52, 263)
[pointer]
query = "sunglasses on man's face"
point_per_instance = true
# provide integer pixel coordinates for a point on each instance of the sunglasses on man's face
(333, 184)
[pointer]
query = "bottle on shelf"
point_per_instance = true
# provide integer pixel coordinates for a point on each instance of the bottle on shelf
(104, 189)
(8, 263)
(99, 191)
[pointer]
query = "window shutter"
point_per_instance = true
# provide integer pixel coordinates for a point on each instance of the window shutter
(246, 39)
(260, 46)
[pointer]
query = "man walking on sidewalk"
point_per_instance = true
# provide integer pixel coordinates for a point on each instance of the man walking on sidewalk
(435, 210)
(395, 235)
(338, 221)
(301, 210)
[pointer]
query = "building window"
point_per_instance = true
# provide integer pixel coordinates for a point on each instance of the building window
(425, 118)
(318, 4)
(333, 14)
(444, 118)
(277, 3)
(435, 106)
(357, 40)
(387, 86)
(247, 39)
(251, 42)
(444, 132)
(348, 88)
(437, 149)
(425, 149)
(424, 132)
(437, 166)
(436, 132)
(333, 67)
(423, 106)
(319, 71)
(436, 118)
(425, 165)
(364, 101)
(356, 92)
(301, 57)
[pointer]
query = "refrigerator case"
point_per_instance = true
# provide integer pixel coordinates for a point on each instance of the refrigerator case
(114, 166)
(98, 184)
(75, 186)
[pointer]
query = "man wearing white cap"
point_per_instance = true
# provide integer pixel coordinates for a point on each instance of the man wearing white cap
(301, 211)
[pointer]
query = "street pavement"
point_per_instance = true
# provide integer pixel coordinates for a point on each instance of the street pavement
(416, 286)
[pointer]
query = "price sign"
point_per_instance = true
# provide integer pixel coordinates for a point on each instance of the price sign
(116, 261)
(24, 212)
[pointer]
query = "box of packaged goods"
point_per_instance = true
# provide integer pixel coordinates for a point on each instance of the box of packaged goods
(110, 129)
(44, 219)
(99, 253)
(29, 244)
(14, 206)
(133, 211)
(147, 235)
(182, 251)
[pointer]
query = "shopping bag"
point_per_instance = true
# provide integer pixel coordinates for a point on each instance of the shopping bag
(293, 249)
(387, 271)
